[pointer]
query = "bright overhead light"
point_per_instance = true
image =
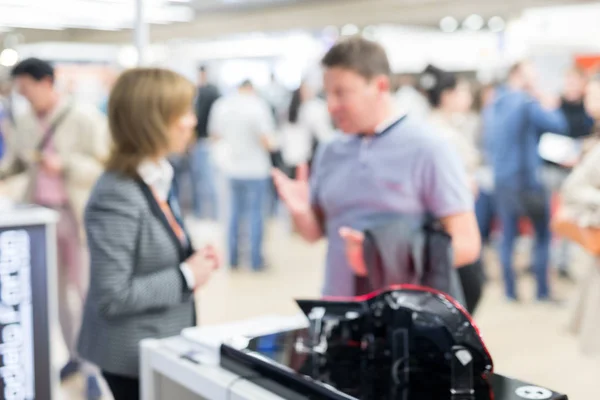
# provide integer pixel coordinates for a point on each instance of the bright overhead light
(496, 24)
(331, 31)
(370, 32)
(474, 22)
(128, 57)
(350, 30)
(449, 24)
(88, 14)
(9, 57)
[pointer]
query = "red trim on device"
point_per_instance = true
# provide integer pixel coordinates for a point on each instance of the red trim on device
(418, 288)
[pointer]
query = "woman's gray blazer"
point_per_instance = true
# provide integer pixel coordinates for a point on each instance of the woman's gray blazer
(136, 288)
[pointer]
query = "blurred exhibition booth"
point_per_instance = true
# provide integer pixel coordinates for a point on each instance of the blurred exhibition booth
(241, 39)
(91, 41)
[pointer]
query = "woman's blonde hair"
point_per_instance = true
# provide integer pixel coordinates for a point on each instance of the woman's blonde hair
(143, 104)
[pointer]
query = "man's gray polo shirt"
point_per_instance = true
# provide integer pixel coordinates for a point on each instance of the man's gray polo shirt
(405, 170)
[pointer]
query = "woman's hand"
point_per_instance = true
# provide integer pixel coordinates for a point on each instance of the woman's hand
(202, 264)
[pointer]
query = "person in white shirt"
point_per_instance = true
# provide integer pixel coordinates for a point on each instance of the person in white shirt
(308, 125)
(277, 97)
(410, 101)
(245, 123)
(451, 100)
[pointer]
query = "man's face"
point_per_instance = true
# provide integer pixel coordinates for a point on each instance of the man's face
(202, 77)
(592, 99)
(38, 93)
(354, 101)
(462, 98)
(529, 75)
(574, 86)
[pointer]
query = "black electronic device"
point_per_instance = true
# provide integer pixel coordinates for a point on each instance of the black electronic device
(405, 343)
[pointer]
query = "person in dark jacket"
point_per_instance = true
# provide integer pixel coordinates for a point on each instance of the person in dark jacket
(201, 169)
(513, 124)
(580, 123)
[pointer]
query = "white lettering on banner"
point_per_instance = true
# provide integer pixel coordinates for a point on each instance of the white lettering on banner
(15, 290)
(11, 357)
(11, 289)
(8, 315)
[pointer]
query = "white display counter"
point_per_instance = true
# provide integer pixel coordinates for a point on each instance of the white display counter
(166, 373)
(28, 309)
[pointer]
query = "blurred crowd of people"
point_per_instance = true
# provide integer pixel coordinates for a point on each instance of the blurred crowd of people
(360, 149)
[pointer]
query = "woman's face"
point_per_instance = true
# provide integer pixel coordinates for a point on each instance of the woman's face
(459, 99)
(181, 132)
(463, 97)
(592, 99)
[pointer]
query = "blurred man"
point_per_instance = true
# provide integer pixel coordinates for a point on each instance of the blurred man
(278, 98)
(201, 168)
(513, 124)
(108, 83)
(580, 126)
(58, 149)
(580, 123)
(5, 109)
(244, 122)
(384, 165)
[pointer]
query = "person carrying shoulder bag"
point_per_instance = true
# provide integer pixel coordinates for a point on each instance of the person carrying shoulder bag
(53, 157)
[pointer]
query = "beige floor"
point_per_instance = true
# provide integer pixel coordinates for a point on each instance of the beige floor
(528, 341)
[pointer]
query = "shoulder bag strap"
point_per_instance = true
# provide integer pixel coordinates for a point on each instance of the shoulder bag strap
(52, 130)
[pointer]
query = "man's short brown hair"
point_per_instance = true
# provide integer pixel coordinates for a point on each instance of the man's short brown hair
(360, 55)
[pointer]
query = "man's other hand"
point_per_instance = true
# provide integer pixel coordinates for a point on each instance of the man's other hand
(354, 250)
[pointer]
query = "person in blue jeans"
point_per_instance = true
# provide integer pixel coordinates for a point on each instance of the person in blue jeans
(244, 122)
(248, 197)
(200, 161)
(203, 181)
(513, 124)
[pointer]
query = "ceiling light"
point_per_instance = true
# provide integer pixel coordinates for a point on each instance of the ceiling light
(496, 24)
(474, 22)
(331, 31)
(89, 14)
(370, 33)
(128, 57)
(9, 57)
(449, 24)
(350, 30)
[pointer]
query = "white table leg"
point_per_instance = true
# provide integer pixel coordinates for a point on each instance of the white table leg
(149, 385)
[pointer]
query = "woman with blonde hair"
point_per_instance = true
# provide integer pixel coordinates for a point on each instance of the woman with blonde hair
(144, 270)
